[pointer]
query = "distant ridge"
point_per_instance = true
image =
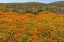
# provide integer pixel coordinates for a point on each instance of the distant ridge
(26, 3)
(58, 2)
(33, 2)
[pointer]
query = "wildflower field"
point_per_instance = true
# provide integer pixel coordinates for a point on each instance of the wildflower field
(31, 26)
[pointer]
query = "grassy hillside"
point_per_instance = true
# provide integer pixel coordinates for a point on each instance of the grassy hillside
(31, 23)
